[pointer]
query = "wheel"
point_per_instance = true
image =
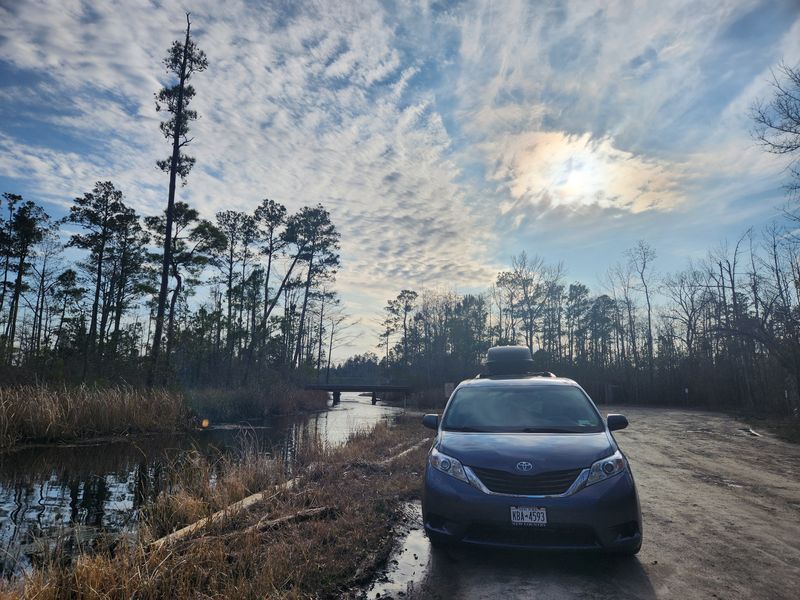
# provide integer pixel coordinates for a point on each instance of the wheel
(633, 551)
(437, 541)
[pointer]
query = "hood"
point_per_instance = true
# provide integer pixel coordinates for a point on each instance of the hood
(547, 451)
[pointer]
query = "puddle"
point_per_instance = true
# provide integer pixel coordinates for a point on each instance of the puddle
(406, 565)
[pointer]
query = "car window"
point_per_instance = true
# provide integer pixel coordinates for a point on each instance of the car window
(528, 409)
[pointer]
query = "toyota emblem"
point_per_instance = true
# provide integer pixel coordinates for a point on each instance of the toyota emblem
(524, 465)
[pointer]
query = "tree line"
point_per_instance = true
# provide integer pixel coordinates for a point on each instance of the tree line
(74, 289)
(724, 331)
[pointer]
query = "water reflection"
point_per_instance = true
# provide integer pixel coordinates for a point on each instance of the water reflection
(78, 491)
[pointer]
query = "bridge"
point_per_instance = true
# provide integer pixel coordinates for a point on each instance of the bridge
(375, 389)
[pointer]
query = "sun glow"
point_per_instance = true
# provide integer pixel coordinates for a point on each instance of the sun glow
(574, 171)
(581, 172)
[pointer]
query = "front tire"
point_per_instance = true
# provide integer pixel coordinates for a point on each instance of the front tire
(438, 541)
(631, 551)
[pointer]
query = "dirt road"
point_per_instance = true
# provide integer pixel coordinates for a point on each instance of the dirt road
(721, 511)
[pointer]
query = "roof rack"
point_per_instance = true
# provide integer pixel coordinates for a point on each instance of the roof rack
(511, 361)
(510, 375)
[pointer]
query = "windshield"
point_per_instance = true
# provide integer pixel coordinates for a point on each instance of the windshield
(518, 409)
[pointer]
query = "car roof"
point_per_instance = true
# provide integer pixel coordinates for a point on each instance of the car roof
(516, 380)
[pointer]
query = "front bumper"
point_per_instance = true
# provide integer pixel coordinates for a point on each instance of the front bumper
(603, 516)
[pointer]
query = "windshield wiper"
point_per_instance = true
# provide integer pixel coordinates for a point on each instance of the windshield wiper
(465, 429)
(546, 430)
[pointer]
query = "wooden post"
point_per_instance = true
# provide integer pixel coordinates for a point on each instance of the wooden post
(374, 398)
(337, 397)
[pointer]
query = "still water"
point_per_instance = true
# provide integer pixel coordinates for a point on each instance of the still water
(80, 490)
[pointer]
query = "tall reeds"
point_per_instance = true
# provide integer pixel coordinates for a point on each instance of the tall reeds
(51, 413)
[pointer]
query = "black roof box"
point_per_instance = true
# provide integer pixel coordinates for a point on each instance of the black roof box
(509, 360)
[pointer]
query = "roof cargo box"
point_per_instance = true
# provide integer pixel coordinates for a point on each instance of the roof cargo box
(509, 360)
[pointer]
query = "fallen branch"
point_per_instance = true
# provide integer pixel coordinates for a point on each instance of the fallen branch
(265, 524)
(228, 511)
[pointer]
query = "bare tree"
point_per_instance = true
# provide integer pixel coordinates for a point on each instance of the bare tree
(641, 257)
(688, 291)
(777, 121)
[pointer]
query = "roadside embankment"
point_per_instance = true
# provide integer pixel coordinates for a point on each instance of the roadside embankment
(332, 528)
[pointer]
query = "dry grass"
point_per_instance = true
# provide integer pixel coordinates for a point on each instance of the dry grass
(44, 413)
(199, 486)
(312, 559)
(421, 399)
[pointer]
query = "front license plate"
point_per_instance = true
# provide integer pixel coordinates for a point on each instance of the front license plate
(530, 516)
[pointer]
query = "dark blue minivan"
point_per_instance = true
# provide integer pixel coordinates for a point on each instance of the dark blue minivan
(524, 459)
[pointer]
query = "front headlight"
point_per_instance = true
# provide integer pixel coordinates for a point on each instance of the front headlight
(447, 464)
(607, 467)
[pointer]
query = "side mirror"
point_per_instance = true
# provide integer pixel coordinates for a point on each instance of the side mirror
(431, 421)
(616, 422)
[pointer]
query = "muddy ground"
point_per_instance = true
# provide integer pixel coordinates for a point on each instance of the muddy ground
(721, 511)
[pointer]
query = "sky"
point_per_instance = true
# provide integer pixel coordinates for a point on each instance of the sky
(444, 137)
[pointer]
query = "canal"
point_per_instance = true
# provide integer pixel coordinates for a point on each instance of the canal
(79, 491)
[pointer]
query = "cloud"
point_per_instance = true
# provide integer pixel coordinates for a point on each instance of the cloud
(442, 138)
(311, 106)
(554, 169)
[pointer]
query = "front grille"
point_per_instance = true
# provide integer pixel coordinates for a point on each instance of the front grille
(551, 483)
(551, 536)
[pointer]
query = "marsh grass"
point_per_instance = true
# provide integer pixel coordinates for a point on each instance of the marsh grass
(42, 413)
(318, 558)
(53, 413)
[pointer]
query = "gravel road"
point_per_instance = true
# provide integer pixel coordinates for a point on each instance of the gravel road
(721, 511)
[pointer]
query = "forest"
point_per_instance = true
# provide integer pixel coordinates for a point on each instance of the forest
(723, 332)
(71, 303)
